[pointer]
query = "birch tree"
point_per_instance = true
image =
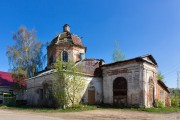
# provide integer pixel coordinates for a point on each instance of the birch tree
(25, 56)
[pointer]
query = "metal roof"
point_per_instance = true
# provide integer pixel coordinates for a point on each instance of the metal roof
(140, 58)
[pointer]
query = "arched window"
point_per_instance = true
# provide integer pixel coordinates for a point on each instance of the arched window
(51, 59)
(64, 56)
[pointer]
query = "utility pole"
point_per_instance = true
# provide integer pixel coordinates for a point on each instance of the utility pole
(178, 77)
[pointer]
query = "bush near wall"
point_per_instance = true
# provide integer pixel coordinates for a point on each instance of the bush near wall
(158, 104)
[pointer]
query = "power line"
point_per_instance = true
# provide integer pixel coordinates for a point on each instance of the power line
(172, 70)
(173, 66)
(170, 74)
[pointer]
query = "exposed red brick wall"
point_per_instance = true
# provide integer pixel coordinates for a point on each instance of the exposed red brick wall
(166, 95)
(55, 51)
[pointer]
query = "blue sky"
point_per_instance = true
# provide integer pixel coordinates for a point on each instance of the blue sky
(140, 26)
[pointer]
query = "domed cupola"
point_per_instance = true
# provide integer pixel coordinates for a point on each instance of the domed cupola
(66, 46)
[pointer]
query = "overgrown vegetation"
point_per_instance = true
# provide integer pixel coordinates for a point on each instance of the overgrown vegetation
(175, 101)
(160, 76)
(158, 104)
(68, 84)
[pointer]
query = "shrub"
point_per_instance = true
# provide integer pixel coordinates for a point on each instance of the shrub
(175, 101)
(158, 104)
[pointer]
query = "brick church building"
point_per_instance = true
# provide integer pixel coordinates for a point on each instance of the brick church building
(131, 82)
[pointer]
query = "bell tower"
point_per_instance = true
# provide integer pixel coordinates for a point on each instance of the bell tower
(65, 46)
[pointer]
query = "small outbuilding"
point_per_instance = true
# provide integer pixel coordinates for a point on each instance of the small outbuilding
(7, 87)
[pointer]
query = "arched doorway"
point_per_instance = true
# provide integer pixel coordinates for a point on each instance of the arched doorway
(120, 92)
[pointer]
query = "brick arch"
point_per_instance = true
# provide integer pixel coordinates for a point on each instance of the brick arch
(120, 88)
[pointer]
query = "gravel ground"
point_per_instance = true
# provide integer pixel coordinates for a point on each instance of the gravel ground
(87, 115)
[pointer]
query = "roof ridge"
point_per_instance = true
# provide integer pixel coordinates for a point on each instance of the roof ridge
(4, 72)
(146, 55)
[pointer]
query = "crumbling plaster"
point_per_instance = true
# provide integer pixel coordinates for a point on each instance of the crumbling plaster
(137, 75)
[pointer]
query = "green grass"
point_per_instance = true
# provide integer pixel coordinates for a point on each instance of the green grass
(38, 109)
(80, 108)
(157, 110)
(153, 110)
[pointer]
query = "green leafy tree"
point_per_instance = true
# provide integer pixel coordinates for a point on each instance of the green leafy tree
(68, 84)
(19, 80)
(25, 56)
(175, 101)
(117, 54)
(160, 76)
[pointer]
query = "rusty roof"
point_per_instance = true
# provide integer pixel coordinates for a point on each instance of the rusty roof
(91, 67)
(163, 85)
(67, 38)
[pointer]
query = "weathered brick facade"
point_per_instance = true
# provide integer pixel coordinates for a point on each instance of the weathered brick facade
(136, 72)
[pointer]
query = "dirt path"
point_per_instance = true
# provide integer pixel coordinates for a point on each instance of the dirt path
(88, 115)
(21, 115)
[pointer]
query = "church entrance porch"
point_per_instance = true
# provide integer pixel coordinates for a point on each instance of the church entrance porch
(120, 92)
